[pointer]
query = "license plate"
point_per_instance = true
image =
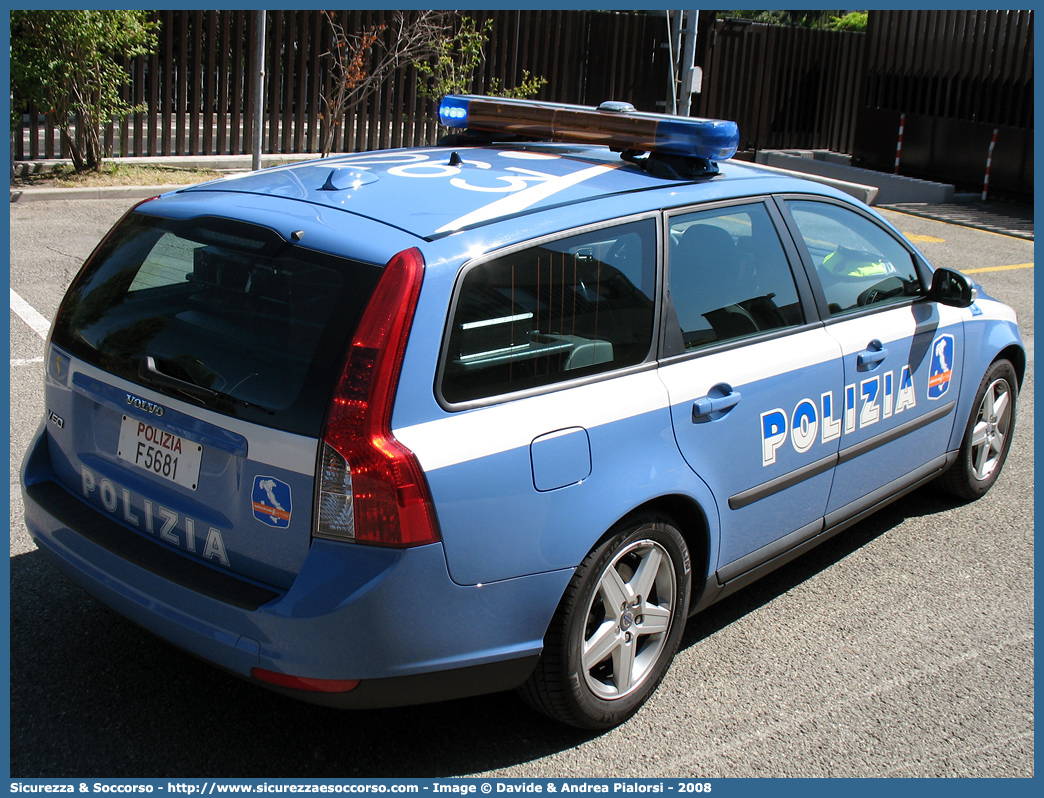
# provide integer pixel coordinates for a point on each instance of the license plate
(159, 452)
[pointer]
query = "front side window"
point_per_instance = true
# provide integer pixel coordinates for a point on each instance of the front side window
(568, 308)
(859, 264)
(729, 276)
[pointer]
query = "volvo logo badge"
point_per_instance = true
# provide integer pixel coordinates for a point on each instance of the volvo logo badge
(144, 404)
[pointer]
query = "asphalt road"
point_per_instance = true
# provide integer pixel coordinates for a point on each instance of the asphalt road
(903, 647)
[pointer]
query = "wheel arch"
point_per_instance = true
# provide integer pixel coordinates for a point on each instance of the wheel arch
(986, 346)
(1015, 355)
(563, 685)
(691, 521)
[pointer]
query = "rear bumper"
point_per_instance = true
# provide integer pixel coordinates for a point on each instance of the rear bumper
(391, 618)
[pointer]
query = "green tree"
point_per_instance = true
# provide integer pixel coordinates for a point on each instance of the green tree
(821, 19)
(64, 63)
(451, 69)
(851, 20)
(359, 62)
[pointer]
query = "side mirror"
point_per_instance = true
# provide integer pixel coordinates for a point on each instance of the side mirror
(952, 288)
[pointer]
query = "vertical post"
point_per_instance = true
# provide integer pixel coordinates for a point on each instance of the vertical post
(514, 57)
(674, 26)
(259, 89)
(670, 105)
(20, 134)
(899, 144)
(688, 62)
(989, 163)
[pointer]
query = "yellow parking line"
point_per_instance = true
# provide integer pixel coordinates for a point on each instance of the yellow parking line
(998, 268)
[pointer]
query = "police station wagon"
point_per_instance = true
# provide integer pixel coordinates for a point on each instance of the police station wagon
(409, 425)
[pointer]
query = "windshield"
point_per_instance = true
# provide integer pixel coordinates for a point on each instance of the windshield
(220, 313)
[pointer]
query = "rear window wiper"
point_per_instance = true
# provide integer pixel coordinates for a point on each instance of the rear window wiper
(148, 371)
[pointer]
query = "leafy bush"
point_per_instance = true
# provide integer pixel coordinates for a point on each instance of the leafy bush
(823, 20)
(852, 20)
(63, 62)
(451, 70)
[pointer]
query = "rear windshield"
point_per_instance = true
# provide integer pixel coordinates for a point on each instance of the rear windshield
(221, 313)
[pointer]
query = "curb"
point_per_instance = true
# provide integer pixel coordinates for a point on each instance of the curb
(219, 163)
(861, 191)
(23, 195)
(1017, 223)
(890, 188)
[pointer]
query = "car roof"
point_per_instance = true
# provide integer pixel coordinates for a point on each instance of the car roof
(478, 185)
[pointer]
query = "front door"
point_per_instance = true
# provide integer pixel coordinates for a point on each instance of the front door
(754, 390)
(902, 354)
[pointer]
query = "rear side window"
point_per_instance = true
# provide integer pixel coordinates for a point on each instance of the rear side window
(220, 313)
(568, 308)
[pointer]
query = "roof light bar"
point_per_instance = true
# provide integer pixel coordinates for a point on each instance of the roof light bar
(616, 125)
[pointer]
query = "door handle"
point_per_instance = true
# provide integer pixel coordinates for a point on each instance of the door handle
(874, 353)
(719, 399)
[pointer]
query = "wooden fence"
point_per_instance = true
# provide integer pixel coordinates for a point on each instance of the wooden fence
(198, 86)
(785, 87)
(957, 75)
(967, 65)
(962, 84)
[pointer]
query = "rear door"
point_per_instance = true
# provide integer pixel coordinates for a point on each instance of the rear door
(903, 355)
(754, 387)
(555, 425)
(190, 366)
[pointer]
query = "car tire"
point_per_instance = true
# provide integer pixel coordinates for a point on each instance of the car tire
(987, 438)
(616, 629)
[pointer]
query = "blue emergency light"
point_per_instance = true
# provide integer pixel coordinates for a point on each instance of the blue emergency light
(616, 125)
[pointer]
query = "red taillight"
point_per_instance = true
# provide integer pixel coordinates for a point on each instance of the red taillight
(304, 683)
(379, 494)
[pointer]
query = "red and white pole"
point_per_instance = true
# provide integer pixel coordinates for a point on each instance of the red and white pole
(899, 144)
(989, 163)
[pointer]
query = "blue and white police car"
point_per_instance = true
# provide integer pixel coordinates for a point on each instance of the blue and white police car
(409, 425)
